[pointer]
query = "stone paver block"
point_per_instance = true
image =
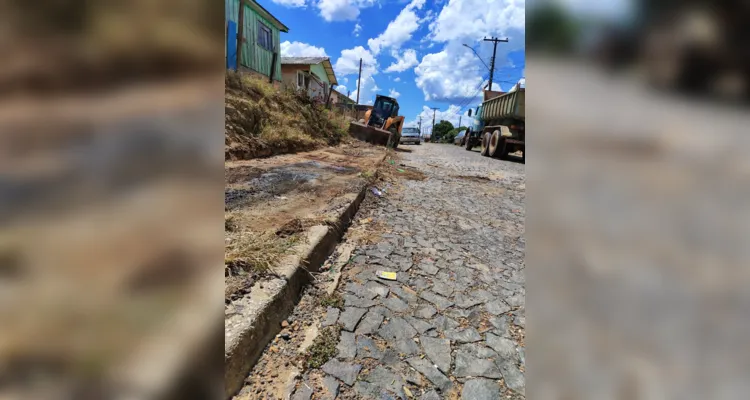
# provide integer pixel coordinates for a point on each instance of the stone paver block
(431, 372)
(351, 300)
(360, 291)
(331, 386)
(303, 392)
(344, 371)
(370, 323)
(367, 348)
(470, 366)
(350, 317)
(439, 351)
(395, 304)
(513, 377)
(396, 328)
(332, 315)
(504, 347)
(418, 324)
(468, 335)
(480, 389)
(347, 348)
(497, 307)
(425, 312)
(377, 288)
(438, 301)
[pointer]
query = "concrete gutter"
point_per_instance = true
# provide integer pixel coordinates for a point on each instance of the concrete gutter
(249, 331)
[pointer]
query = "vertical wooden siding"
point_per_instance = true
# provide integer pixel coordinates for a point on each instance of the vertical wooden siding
(253, 56)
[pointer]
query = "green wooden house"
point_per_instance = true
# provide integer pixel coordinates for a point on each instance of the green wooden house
(260, 33)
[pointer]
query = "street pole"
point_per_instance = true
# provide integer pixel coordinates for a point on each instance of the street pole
(494, 54)
(359, 80)
(459, 120)
(420, 127)
(432, 133)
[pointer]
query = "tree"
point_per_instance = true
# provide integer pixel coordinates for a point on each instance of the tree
(441, 129)
(451, 136)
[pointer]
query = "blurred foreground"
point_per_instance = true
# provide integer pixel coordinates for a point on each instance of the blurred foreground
(111, 119)
(696, 48)
(637, 231)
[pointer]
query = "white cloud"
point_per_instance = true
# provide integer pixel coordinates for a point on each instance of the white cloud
(403, 62)
(342, 10)
(399, 30)
(290, 3)
(348, 65)
(450, 75)
(454, 73)
(393, 93)
(357, 30)
(348, 62)
(397, 79)
(488, 18)
(299, 49)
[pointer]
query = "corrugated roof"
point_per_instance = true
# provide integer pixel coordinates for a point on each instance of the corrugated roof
(303, 60)
(262, 11)
(313, 61)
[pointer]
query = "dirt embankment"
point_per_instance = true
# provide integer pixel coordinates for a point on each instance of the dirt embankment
(262, 121)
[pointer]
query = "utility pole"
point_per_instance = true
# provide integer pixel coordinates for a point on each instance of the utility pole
(433, 124)
(240, 35)
(459, 120)
(494, 54)
(359, 80)
(420, 126)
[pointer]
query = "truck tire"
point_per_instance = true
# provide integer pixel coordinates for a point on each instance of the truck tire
(485, 145)
(468, 144)
(497, 145)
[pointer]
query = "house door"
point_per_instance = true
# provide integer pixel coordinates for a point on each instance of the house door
(231, 45)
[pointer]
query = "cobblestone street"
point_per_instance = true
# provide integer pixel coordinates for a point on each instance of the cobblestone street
(452, 324)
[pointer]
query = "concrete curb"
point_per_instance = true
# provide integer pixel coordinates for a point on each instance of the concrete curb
(259, 325)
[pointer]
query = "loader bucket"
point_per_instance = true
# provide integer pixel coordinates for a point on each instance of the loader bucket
(369, 134)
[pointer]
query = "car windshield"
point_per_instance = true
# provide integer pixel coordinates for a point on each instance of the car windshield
(411, 130)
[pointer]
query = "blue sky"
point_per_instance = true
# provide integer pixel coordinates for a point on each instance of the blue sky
(412, 49)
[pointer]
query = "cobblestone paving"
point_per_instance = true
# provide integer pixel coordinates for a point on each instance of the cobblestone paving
(452, 324)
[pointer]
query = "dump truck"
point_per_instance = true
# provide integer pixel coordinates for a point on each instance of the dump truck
(382, 125)
(499, 125)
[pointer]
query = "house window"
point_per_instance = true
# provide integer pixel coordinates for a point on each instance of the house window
(303, 80)
(265, 37)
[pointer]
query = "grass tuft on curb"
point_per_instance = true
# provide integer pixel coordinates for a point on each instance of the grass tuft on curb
(332, 300)
(323, 347)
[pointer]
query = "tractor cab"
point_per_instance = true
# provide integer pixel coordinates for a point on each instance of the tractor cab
(384, 108)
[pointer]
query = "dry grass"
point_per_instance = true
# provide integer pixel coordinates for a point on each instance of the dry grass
(261, 121)
(258, 252)
(247, 250)
(391, 171)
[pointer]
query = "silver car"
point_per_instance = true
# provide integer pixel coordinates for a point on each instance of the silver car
(411, 135)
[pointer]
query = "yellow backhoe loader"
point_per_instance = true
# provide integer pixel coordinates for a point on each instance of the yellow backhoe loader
(382, 125)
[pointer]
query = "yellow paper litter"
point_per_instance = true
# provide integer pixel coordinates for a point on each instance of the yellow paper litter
(391, 276)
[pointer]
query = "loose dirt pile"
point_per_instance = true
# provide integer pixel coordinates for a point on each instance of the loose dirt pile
(262, 121)
(271, 202)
